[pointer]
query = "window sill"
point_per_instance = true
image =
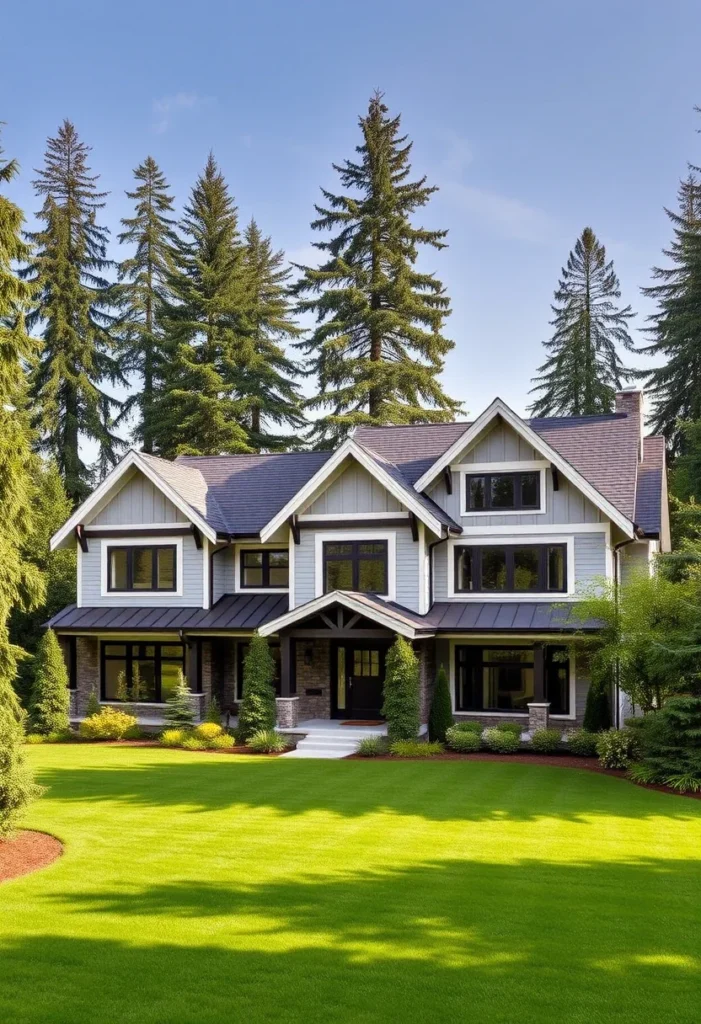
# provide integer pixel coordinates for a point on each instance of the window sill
(467, 513)
(493, 714)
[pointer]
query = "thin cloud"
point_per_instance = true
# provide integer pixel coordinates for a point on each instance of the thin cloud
(167, 108)
(510, 217)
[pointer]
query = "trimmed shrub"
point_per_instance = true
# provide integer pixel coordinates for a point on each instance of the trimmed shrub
(213, 712)
(500, 742)
(415, 748)
(257, 710)
(222, 742)
(17, 787)
(441, 714)
(110, 724)
(582, 743)
(93, 705)
(207, 731)
(267, 741)
(597, 713)
(178, 712)
(372, 746)
(475, 727)
(616, 748)
(512, 727)
(34, 739)
(463, 741)
(546, 741)
(50, 697)
(401, 707)
(173, 737)
(193, 743)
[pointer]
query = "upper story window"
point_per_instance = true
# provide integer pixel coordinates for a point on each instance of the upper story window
(265, 569)
(142, 568)
(356, 565)
(502, 492)
(518, 569)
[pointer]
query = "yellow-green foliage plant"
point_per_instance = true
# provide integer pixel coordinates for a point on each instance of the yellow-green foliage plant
(110, 724)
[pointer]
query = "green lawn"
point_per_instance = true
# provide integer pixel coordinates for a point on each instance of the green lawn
(216, 888)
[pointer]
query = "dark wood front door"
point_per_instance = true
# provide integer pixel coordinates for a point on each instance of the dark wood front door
(360, 678)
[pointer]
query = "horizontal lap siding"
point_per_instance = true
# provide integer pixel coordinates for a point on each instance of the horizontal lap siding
(139, 501)
(589, 558)
(90, 565)
(304, 568)
(223, 571)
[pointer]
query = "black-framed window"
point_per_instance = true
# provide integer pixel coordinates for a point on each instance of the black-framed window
(265, 568)
(502, 678)
(242, 651)
(140, 672)
(68, 649)
(359, 565)
(513, 568)
(502, 492)
(142, 568)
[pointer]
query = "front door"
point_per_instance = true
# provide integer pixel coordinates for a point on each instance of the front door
(360, 677)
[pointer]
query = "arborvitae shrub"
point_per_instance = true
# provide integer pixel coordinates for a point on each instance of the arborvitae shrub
(50, 696)
(257, 710)
(401, 705)
(441, 716)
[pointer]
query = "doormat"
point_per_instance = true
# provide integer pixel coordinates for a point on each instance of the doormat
(358, 721)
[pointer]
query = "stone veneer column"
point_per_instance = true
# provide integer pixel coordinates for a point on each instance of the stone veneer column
(425, 652)
(287, 709)
(538, 716)
(87, 672)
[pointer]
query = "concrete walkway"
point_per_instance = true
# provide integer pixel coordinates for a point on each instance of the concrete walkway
(327, 738)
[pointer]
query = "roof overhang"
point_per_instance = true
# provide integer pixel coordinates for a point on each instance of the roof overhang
(383, 616)
(352, 449)
(499, 408)
(102, 494)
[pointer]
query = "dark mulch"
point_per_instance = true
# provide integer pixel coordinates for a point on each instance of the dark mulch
(27, 851)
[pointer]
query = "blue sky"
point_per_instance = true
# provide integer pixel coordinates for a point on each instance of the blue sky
(534, 119)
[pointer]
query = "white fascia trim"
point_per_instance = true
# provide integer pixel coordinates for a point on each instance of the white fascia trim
(545, 529)
(350, 447)
(138, 595)
(206, 570)
(292, 545)
(423, 580)
(100, 493)
(498, 467)
(342, 517)
(348, 601)
(119, 528)
(79, 577)
(480, 596)
(329, 536)
(500, 408)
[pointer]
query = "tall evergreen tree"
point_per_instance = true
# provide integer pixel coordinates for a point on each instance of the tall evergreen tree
(675, 385)
(378, 346)
(72, 312)
(143, 291)
(198, 410)
(269, 392)
(583, 370)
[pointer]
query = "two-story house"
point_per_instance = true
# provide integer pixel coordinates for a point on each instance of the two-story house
(472, 540)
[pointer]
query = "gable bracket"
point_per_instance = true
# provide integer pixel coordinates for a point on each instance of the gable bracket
(556, 477)
(294, 527)
(448, 479)
(414, 526)
(198, 537)
(81, 538)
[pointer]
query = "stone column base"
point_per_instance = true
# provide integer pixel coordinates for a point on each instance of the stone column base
(538, 716)
(287, 709)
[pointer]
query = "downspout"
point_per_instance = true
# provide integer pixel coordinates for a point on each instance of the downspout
(616, 573)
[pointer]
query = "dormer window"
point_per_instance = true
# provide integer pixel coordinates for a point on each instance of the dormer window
(142, 568)
(502, 492)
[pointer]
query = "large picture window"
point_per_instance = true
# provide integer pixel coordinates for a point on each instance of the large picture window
(502, 492)
(356, 565)
(140, 672)
(503, 679)
(517, 569)
(265, 569)
(142, 568)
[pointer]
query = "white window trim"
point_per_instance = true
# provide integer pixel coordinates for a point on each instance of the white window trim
(465, 469)
(508, 541)
(517, 642)
(142, 542)
(326, 536)
(238, 548)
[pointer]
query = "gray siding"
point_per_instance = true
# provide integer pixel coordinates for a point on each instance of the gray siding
(223, 573)
(139, 501)
(192, 579)
(304, 568)
(502, 444)
(634, 559)
(354, 491)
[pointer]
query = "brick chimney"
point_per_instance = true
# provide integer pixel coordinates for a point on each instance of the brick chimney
(632, 403)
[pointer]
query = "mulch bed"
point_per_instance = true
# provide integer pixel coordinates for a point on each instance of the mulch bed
(27, 851)
(159, 746)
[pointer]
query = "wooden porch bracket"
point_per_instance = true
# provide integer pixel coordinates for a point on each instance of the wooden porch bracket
(414, 526)
(556, 478)
(81, 537)
(198, 537)
(294, 526)
(448, 480)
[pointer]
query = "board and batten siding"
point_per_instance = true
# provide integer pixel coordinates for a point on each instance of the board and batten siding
(501, 444)
(407, 567)
(139, 501)
(355, 490)
(91, 566)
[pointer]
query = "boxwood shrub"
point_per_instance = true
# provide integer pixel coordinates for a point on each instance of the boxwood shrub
(512, 727)
(475, 727)
(546, 741)
(463, 741)
(500, 742)
(582, 743)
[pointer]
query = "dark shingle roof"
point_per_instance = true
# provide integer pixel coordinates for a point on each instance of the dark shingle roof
(428, 503)
(648, 498)
(235, 611)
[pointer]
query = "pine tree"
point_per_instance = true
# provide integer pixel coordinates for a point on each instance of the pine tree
(268, 390)
(50, 698)
(441, 714)
(20, 583)
(675, 386)
(71, 311)
(178, 712)
(583, 370)
(401, 706)
(257, 710)
(378, 346)
(198, 411)
(143, 291)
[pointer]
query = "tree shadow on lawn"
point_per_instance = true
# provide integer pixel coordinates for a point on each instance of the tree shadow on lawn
(452, 940)
(440, 791)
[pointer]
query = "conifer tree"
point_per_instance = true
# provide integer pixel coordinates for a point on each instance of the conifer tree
(143, 275)
(71, 310)
(178, 712)
(583, 370)
(198, 410)
(50, 697)
(268, 390)
(402, 704)
(440, 718)
(674, 387)
(378, 346)
(257, 710)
